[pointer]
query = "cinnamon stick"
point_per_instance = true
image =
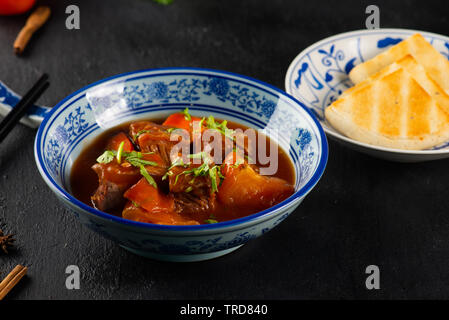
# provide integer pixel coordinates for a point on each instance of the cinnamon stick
(34, 22)
(11, 280)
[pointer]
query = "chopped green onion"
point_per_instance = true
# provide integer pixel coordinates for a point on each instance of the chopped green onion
(188, 189)
(186, 114)
(198, 155)
(220, 175)
(203, 170)
(210, 221)
(176, 178)
(213, 178)
(138, 161)
(135, 204)
(197, 129)
(201, 121)
(164, 2)
(106, 157)
(134, 158)
(220, 127)
(147, 176)
(120, 152)
(167, 174)
(178, 162)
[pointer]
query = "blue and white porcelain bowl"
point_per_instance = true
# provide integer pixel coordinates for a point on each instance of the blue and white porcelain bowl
(80, 118)
(319, 74)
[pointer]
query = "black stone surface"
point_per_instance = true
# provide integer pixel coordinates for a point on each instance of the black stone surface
(364, 211)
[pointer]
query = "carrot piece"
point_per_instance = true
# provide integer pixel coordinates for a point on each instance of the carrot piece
(115, 141)
(245, 188)
(149, 197)
(136, 213)
(178, 120)
(149, 204)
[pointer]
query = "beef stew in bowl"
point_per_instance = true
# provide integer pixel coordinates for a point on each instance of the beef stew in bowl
(130, 171)
(93, 115)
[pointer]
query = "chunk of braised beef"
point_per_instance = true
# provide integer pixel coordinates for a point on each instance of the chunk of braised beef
(193, 205)
(139, 127)
(113, 180)
(192, 193)
(181, 179)
(160, 165)
(152, 137)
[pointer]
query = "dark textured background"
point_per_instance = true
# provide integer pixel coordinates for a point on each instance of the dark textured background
(364, 211)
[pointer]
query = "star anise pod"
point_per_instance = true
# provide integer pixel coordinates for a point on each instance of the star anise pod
(5, 241)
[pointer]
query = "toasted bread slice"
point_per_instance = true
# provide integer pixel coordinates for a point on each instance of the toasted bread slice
(393, 111)
(410, 65)
(420, 74)
(378, 75)
(435, 64)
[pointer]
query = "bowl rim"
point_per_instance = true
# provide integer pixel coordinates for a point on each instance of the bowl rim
(60, 191)
(335, 134)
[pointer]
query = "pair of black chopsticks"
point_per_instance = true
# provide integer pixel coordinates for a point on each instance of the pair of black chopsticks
(22, 106)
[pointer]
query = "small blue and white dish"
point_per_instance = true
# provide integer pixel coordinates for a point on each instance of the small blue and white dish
(319, 74)
(153, 94)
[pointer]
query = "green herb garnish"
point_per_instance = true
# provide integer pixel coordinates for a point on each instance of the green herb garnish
(201, 121)
(186, 114)
(213, 178)
(199, 155)
(107, 156)
(135, 204)
(197, 129)
(204, 170)
(210, 221)
(164, 2)
(120, 152)
(178, 162)
(147, 176)
(134, 158)
(220, 127)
